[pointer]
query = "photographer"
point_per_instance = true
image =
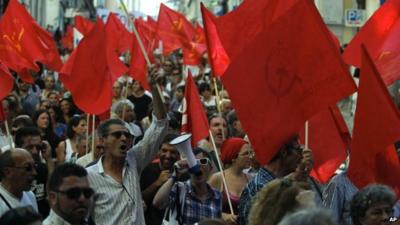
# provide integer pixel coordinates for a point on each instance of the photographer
(29, 138)
(194, 199)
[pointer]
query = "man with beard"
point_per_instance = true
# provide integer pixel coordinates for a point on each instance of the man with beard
(154, 175)
(29, 138)
(219, 131)
(17, 171)
(69, 195)
(115, 177)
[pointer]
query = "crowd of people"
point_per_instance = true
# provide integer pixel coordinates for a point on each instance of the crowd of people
(127, 172)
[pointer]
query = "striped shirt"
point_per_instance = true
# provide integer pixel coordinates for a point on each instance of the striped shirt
(121, 203)
(337, 197)
(262, 177)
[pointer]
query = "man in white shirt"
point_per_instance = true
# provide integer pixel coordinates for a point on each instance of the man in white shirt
(115, 177)
(17, 172)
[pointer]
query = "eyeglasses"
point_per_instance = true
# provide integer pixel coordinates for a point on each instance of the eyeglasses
(249, 154)
(75, 193)
(27, 168)
(118, 134)
(203, 161)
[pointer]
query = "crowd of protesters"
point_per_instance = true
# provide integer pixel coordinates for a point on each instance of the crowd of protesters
(127, 172)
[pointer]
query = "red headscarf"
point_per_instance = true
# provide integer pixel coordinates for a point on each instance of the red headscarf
(230, 149)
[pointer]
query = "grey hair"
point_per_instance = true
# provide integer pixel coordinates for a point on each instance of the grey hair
(369, 196)
(102, 130)
(313, 216)
(119, 106)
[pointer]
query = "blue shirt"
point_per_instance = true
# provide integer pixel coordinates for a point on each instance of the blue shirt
(195, 210)
(261, 178)
(337, 197)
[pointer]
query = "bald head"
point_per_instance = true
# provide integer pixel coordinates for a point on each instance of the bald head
(18, 154)
(17, 170)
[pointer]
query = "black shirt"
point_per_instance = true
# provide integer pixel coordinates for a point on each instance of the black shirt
(153, 215)
(141, 105)
(39, 189)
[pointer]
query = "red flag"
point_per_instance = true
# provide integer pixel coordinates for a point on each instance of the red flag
(380, 36)
(119, 39)
(335, 40)
(138, 65)
(388, 60)
(91, 71)
(83, 25)
(151, 25)
(280, 82)
(229, 34)
(194, 50)
(217, 56)
(68, 39)
(6, 81)
(24, 42)
(326, 140)
(376, 128)
(173, 29)
(194, 119)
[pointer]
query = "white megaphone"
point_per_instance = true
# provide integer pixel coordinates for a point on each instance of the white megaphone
(183, 144)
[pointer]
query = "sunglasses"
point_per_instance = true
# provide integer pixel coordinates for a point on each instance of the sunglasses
(118, 134)
(27, 168)
(75, 193)
(203, 161)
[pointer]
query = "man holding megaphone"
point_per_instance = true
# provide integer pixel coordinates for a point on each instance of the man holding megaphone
(192, 200)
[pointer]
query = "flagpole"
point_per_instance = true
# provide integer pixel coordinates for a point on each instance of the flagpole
(216, 94)
(9, 137)
(125, 97)
(93, 130)
(218, 101)
(222, 172)
(141, 46)
(87, 132)
(306, 135)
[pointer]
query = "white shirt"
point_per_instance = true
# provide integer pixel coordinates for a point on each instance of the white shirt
(28, 199)
(54, 219)
(85, 160)
(121, 204)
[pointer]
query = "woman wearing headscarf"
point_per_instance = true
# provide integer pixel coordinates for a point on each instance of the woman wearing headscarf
(236, 155)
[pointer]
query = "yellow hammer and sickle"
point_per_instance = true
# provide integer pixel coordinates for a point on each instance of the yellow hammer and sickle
(177, 25)
(15, 41)
(383, 54)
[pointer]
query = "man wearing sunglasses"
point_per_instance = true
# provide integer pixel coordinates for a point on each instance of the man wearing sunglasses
(69, 195)
(115, 177)
(17, 172)
(196, 199)
(29, 138)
